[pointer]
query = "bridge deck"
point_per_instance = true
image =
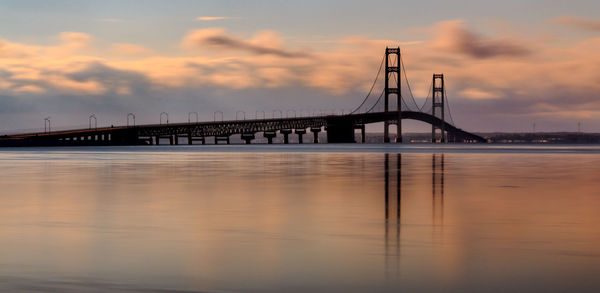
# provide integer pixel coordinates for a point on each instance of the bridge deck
(132, 134)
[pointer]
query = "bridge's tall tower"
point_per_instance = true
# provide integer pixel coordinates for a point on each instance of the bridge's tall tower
(393, 70)
(438, 97)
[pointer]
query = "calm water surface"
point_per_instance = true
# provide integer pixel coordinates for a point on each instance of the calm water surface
(355, 218)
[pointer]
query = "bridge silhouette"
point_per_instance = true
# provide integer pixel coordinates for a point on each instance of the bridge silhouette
(339, 128)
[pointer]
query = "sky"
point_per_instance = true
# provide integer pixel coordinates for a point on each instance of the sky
(507, 64)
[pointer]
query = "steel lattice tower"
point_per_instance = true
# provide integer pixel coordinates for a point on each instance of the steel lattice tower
(394, 71)
(438, 97)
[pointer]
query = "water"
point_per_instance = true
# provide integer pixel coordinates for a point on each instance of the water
(300, 219)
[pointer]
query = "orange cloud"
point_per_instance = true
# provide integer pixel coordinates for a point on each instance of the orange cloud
(74, 40)
(474, 93)
(211, 18)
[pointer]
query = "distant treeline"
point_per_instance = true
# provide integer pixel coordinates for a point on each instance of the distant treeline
(501, 137)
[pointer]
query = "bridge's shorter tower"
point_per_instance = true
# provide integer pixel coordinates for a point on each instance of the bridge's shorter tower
(394, 71)
(438, 95)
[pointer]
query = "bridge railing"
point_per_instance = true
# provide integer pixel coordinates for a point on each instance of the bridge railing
(33, 131)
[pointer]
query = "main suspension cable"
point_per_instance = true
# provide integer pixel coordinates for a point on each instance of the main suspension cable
(407, 83)
(372, 87)
(376, 103)
(448, 106)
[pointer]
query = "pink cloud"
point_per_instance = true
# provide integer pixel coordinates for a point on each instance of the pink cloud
(212, 18)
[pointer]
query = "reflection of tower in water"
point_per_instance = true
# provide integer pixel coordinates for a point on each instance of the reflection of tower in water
(437, 189)
(389, 222)
(398, 186)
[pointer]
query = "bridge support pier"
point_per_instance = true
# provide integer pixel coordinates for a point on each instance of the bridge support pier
(200, 138)
(341, 130)
(399, 132)
(286, 133)
(222, 138)
(176, 139)
(269, 135)
(248, 137)
(300, 133)
(315, 131)
(363, 137)
(386, 132)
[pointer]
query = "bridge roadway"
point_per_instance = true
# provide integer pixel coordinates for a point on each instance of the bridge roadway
(340, 129)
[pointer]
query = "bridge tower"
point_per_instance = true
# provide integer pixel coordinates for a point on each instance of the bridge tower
(438, 97)
(393, 70)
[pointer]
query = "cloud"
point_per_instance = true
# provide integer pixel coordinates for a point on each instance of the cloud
(212, 18)
(12, 50)
(75, 40)
(474, 93)
(455, 36)
(107, 79)
(264, 43)
(579, 22)
(486, 82)
(28, 89)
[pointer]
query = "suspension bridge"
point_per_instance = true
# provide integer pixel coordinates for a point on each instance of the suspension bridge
(340, 128)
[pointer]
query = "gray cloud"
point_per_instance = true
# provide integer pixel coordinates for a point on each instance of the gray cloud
(456, 37)
(222, 40)
(113, 79)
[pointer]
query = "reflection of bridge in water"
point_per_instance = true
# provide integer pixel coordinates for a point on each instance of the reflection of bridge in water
(340, 128)
(437, 187)
(392, 236)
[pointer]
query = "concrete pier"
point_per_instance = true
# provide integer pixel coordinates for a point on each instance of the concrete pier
(300, 133)
(201, 139)
(286, 133)
(363, 137)
(315, 131)
(222, 138)
(269, 135)
(248, 137)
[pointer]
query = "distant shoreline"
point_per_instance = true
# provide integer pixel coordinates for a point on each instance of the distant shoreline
(520, 137)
